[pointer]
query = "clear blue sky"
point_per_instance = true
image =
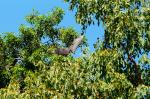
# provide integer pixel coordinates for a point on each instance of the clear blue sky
(14, 11)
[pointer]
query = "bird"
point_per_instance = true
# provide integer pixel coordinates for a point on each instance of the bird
(71, 49)
(62, 51)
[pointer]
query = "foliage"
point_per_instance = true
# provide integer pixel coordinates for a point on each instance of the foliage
(28, 69)
(127, 29)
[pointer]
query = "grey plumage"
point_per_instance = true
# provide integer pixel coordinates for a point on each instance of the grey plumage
(76, 43)
(62, 51)
(72, 48)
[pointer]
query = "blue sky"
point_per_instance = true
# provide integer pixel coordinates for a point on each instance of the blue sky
(14, 11)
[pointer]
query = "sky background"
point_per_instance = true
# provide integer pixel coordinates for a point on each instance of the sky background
(13, 12)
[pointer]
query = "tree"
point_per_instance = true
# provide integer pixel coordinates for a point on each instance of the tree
(126, 29)
(43, 35)
(109, 72)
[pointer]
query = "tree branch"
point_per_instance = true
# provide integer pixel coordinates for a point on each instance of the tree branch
(137, 78)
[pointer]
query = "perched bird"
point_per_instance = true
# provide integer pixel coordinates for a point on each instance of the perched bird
(72, 48)
(76, 43)
(62, 51)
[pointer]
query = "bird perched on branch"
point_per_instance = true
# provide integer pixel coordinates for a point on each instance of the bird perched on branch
(71, 49)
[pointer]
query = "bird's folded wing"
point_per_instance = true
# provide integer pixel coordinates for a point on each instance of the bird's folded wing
(62, 51)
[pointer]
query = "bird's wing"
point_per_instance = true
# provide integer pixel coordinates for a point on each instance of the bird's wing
(62, 51)
(76, 43)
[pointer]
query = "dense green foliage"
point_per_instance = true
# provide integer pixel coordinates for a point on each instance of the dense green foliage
(119, 67)
(127, 29)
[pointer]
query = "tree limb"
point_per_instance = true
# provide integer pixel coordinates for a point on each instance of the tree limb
(137, 78)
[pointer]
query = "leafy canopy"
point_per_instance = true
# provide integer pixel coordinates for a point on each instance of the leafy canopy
(29, 70)
(127, 29)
